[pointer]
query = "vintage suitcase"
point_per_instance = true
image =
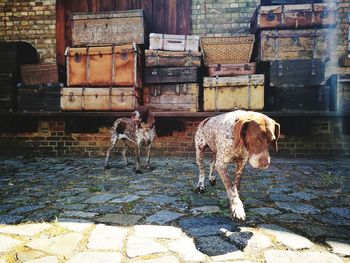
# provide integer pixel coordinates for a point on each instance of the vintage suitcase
(297, 72)
(99, 99)
(155, 58)
(294, 16)
(36, 98)
(294, 97)
(339, 92)
(7, 92)
(41, 73)
(173, 42)
(119, 28)
(231, 69)
(289, 2)
(294, 44)
(228, 93)
(171, 75)
(227, 50)
(14, 54)
(172, 97)
(104, 66)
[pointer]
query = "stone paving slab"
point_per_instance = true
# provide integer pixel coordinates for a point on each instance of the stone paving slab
(286, 237)
(107, 238)
(278, 256)
(51, 210)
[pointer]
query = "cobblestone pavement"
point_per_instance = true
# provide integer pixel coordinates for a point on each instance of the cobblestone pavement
(71, 210)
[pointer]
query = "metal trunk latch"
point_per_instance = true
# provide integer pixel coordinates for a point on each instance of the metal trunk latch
(280, 68)
(313, 67)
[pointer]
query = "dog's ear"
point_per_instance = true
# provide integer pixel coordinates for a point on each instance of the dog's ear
(277, 133)
(273, 130)
(135, 116)
(239, 132)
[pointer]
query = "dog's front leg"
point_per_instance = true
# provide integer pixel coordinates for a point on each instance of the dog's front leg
(236, 205)
(137, 154)
(114, 140)
(149, 147)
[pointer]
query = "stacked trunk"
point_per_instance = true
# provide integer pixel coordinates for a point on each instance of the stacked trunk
(172, 73)
(39, 89)
(104, 65)
(12, 56)
(231, 82)
(294, 44)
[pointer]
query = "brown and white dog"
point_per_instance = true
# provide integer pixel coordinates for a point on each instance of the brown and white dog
(239, 136)
(138, 129)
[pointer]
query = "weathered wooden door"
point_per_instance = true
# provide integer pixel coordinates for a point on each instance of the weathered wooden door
(161, 16)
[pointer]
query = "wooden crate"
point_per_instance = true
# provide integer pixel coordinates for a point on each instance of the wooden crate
(104, 66)
(99, 99)
(294, 16)
(294, 44)
(173, 42)
(158, 58)
(35, 74)
(119, 28)
(300, 97)
(36, 98)
(229, 93)
(172, 97)
(306, 72)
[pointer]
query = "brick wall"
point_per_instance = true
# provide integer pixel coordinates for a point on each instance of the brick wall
(339, 39)
(32, 21)
(326, 138)
(221, 17)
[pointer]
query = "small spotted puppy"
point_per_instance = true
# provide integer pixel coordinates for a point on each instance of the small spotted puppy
(138, 129)
(235, 137)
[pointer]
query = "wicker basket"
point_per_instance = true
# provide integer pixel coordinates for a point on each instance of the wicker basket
(227, 50)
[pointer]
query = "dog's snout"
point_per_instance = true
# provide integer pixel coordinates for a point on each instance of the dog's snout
(264, 162)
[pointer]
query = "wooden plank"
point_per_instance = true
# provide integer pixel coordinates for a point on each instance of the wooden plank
(183, 25)
(60, 31)
(147, 6)
(159, 15)
(136, 4)
(170, 20)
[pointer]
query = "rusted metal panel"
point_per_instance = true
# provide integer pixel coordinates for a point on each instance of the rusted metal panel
(172, 97)
(118, 28)
(104, 66)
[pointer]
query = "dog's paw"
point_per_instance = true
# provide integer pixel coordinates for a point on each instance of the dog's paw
(237, 210)
(199, 189)
(138, 171)
(107, 167)
(212, 181)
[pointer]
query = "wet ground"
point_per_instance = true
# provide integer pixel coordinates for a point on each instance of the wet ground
(70, 209)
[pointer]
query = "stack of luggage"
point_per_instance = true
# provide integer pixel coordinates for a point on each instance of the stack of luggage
(172, 73)
(294, 41)
(231, 82)
(12, 56)
(104, 65)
